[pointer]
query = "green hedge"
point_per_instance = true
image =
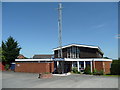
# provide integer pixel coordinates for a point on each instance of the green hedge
(115, 67)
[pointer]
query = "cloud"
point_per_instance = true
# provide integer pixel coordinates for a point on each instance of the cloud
(98, 26)
(117, 36)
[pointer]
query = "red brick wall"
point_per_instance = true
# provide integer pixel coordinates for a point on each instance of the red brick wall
(103, 65)
(107, 65)
(2, 66)
(51, 67)
(34, 67)
(98, 65)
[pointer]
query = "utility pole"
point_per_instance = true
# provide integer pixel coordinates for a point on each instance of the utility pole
(60, 29)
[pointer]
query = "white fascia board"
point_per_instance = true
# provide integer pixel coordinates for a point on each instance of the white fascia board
(88, 59)
(103, 60)
(63, 47)
(33, 59)
(76, 45)
(71, 59)
(66, 59)
(80, 46)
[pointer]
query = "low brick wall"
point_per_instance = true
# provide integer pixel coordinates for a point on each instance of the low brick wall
(34, 67)
(2, 66)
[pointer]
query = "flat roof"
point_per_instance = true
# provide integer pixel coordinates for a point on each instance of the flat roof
(80, 45)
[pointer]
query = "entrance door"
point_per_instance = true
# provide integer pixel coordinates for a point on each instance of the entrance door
(67, 67)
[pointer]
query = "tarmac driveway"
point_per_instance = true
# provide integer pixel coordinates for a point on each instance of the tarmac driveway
(30, 80)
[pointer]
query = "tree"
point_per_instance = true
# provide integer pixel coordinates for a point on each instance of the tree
(2, 58)
(0, 54)
(115, 67)
(10, 50)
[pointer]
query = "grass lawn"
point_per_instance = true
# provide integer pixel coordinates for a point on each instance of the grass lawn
(112, 75)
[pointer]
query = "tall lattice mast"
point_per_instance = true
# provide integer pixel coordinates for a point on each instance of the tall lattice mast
(60, 29)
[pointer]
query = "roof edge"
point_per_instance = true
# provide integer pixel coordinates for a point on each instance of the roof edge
(80, 45)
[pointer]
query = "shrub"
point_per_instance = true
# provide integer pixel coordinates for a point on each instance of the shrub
(78, 72)
(87, 70)
(75, 70)
(98, 73)
(101, 72)
(95, 72)
(7, 66)
(114, 70)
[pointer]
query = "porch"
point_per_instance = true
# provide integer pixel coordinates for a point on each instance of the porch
(67, 66)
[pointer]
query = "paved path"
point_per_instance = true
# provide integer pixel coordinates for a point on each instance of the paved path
(30, 80)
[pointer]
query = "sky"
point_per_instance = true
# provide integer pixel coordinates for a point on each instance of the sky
(35, 25)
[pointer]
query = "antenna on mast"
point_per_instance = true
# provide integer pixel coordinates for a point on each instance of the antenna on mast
(60, 29)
